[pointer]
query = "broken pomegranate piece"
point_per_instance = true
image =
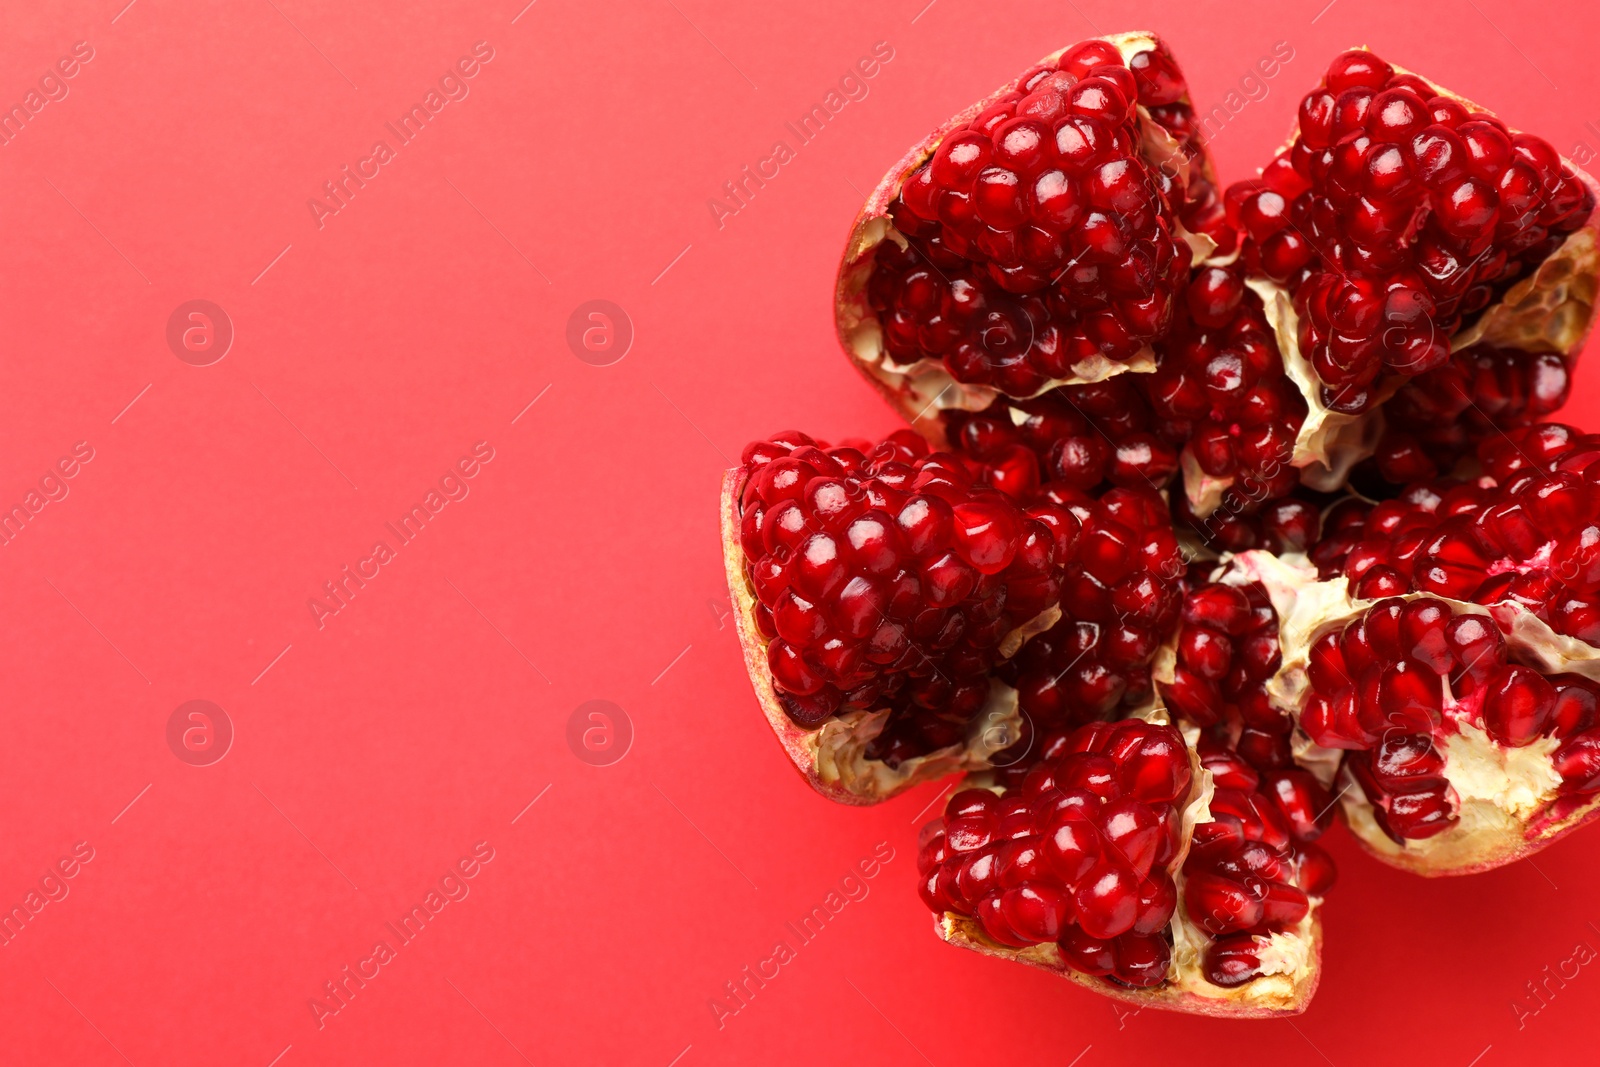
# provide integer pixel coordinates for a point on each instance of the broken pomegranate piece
(877, 589)
(1402, 224)
(1252, 869)
(1465, 732)
(1079, 868)
(1221, 395)
(1040, 237)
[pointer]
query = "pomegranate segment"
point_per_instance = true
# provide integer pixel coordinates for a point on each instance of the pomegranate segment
(1080, 855)
(1252, 870)
(884, 578)
(1076, 867)
(1043, 236)
(1038, 235)
(1424, 695)
(1395, 214)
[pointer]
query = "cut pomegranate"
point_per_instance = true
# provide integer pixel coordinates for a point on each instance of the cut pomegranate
(1375, 586)
(879, 586)
(1402, 223)
(1076, 868)
(1468, 730)
(1042, 236)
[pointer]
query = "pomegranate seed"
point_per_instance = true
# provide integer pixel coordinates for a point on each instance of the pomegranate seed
(1232, 961)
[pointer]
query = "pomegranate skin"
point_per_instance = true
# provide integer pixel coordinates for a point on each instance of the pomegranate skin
(965, 933)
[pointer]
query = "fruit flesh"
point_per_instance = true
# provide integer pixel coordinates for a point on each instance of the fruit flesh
(1181, 186)
(1252, 869)
(886, 578)
(1080, 855)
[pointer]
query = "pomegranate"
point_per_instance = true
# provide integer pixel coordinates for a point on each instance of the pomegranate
(1218, 515)
(1113, 861)
(1400, 224)
(1040, 237)
(875, 589)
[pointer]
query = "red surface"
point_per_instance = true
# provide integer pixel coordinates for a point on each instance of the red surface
(425, 715)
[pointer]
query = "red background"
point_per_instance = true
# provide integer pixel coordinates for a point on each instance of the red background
(427, 714)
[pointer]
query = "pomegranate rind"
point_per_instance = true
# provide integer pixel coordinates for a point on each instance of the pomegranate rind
(1510, 805)
(1459, 851)
(925, 388)
(1550, 311)
(1240, 1002)
(832, 758)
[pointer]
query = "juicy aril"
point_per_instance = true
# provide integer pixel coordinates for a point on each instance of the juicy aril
(1221, 514)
